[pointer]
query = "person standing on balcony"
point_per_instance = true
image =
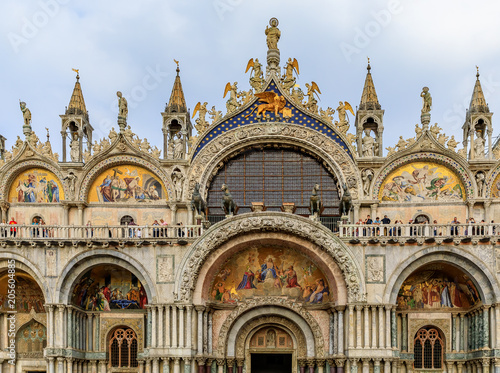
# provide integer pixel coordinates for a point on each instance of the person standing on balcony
(386, 220)
(13, 231)
(454, 230)
(3, 229)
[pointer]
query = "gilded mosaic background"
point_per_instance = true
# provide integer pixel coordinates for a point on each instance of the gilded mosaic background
(36, 185)
(495, 188)
(422, 182)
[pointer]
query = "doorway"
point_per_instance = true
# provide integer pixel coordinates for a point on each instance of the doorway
(271, 363)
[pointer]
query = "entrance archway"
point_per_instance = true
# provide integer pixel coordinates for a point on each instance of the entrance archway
(271, 349)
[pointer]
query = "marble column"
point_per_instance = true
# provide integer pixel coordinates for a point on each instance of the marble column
(388, 326)
(311, 364)
(320, 364)
(141, 366)
(354, 365)
(102, 366)
(404, 334)
(395, 366)
(340, 330)
(153, 326)
(181, 326)
(60, 365)
(69, 365)
(201, 364)
(374, 327)
(230, 365)
(148, 328)
(189, 326)
(340, 365)
(51, 365)
(210, 331)
(387, 366)
(449, 366)
(366, 342)
(460, 366)
(358, 326)
(381, 331)
(394, 328)
(331, 334)
(161, 340)
(90, 332)
(167, 326)
(366, 365)
(454, 333)
(199, 330)
(486, 365)
(497, 365)
(70, 327)
(331, 366)
(165, 364)
(156, 365)
(351, 336)
(239, 365)
(302, 365)
(205, 331)
(486, 328)
(221, 363)
(177, 365)
(187, 365)
(376, 365)
(174, 326)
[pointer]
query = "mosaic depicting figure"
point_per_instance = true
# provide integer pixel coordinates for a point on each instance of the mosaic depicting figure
(267, 272)
(421, 181)
(28, 295)
(495, 189)
(36, 186)
(127, 184)
(443, 286)
(108, 287)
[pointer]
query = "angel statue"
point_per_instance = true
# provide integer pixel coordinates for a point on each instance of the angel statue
(231, 104)
(288, 79)
(427, 100)
(273, 102)
(256, 75)
(201, 123)
(214, 114)
(343, 122)
(312, 103)
(273, 34)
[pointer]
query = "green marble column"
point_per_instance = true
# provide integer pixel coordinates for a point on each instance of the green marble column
(148, 328)
(394, 329)
(453, 332)
(404, 332)
(97, 330)
(486, 327)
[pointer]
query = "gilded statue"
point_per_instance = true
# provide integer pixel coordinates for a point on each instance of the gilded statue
(312, 103)
(452, 143)
(273, 34)
(256, 75)
(288, 79)
(122, 106)
(26, 113)
(401, 144)
(343, 122)
(231, 104)
(201, 123)
(273, 102)
(426, 99)
(214, 114)
(327, 114)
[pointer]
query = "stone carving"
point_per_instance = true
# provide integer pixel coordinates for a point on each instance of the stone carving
(312, 103)
(105, 144)
(410, 141)
(351, 138)
(452, 143)
(435, 129)
(128, 134)
(71, 181)
(228, 204)
(288, 80)
(496, 153)
(462, 153)
(375, 268)
(112, 135)
(197, 202)
(201, 123)
(286, 223)
(273, 34)
(366, 177)
(343, 122)
(256, 74)
(390, 150)
(401, 144)
(480, 178)
(426, 100)
(232, 104)
(51, 260)
(178, 147)
(315, 205)
(26, 113)
(345, 202)
(137, 325)
(369, 145)
(178, 180)
(215, 115)
(122, 109)
(165, 265)
(442, 138)
(155, 152)
(327, 115)
(298, 96)
(145, 146)
(75, 149)
(418, 131)
(96, 147)
(271, 301)
(479, 144)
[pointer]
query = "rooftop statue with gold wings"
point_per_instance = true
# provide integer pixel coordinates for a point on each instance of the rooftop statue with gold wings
(288, 80)
(343, 122)
(231, 104)
(312, 103)
(201, 123)
(256, 75)
(273, 102)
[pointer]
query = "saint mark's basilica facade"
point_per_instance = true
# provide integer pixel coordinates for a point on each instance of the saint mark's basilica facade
(240, 246)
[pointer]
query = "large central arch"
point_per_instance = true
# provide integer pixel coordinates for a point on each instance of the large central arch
(193, 271)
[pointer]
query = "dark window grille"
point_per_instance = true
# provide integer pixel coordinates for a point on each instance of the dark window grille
(123, 349)
(273, 176)
(428, 349)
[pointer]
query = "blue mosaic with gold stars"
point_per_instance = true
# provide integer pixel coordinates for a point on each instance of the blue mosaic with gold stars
(298, 117)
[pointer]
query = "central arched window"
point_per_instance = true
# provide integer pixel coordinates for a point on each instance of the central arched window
(428, 349)
(274, 176)
(123, 349)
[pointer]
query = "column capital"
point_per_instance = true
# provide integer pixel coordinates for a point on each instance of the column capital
(240, 362)
(388, 307)
(180, 306)
(320, 362)
(340, 362)
(200, 360)
(340, 308)
(61, 359)
(199, 308)
(354, 360)
(376, 360)
(497, 362)
(485, 362)
(302, 362)
(177, 360)
(359, 307)
(221, 362)
(311, 363)
(69, 359)
(165, 359)
(330, 362)
(366, 360)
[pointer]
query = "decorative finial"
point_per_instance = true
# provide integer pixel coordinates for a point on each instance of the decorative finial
(77, 71)
(477, 68)
(368, 67)
(178, 70)
(48, 134)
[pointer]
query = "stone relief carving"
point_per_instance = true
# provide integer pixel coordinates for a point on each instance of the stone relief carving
(375, 268)
(274, 222)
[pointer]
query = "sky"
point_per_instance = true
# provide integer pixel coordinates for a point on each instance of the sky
(130, 46)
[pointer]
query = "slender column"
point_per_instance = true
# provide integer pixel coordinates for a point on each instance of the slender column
(208, 365)
(156, 365)
(381, 334)
(147, 365)
(374, 327)
(311, 364)
(51, 363)
(340, 330)
(320, 363)
(50, 327)
(90, 323)
(486, 365)
(340, 365)
(302, 365)
(358, 326)
(395, 366)
(388, 326)
(394, 328)
(387, 366)
(239, 365)
(181, 326)
(335, 337)
(354, 365)
(449, 366)
(70, 327)
(404, 337)
(221, 363)
(153, 326)
(141, 366)
(486, 329)
(366, 342)
(148, 330)
(60, 365)
(174, 326)
(161, 340)
(497, 323)
(205, 331)
(189, 329)
(173, 209)
(166, 364)
(453, 332)
(460, 366)
(167, 326)
(69, 365)
(200, 309)
(187, 365)
(230, 365)
(210, 331)
(97, 322)
(331, 365)
(366, 365)
(351, 336)
(102, 366)
(331, 335)
(497, 365)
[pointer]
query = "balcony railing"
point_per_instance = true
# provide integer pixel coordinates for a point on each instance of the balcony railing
(99, 232)
(408, 231)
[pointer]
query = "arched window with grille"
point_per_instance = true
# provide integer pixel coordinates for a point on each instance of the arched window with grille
(123, 349)
(428, 349)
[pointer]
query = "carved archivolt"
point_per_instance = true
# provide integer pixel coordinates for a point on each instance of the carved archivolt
(244, 333)
(271, 301)
(337, 159)
(100, 167)
(268, 221)
(12, 172)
